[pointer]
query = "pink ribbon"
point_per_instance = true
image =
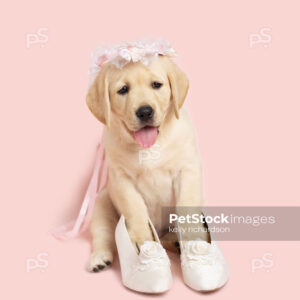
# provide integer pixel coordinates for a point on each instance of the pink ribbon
(96, 184)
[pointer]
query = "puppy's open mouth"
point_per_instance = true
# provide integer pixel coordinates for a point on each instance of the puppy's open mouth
(146, 136)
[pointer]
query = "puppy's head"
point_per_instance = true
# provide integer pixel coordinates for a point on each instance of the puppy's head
(138, 97)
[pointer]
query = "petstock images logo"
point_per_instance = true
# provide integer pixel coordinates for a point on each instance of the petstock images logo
(235, 223)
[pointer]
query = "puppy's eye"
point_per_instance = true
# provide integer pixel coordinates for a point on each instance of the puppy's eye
(123, 90)
(156, 85)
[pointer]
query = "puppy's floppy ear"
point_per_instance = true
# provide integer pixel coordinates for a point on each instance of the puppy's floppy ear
(98, 98)
(179, 85)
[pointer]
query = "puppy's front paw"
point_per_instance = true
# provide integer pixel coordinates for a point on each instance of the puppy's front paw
(138, 240)
(100, 260)
(170, 242)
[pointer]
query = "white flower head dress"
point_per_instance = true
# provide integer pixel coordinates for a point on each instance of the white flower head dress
(144, 51)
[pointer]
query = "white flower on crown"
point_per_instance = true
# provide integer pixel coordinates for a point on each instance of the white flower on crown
(144, 50)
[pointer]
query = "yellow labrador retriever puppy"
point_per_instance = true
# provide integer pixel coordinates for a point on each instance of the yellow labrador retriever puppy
(141, 108)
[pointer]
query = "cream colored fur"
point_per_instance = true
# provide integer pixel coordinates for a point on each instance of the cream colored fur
(136, 189)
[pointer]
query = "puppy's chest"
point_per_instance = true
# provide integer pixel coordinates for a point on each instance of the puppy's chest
(156, 188)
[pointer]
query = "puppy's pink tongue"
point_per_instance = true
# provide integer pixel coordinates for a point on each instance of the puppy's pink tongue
(146, 136)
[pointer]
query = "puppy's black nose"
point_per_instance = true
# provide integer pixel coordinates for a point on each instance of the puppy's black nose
(145, 113)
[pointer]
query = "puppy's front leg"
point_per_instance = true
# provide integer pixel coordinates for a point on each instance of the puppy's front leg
(188, 193)
(131, 205)
(102, 228)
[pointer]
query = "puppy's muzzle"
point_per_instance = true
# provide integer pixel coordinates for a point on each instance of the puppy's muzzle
(145, 113)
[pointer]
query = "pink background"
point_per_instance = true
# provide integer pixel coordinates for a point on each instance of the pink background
(245, 100)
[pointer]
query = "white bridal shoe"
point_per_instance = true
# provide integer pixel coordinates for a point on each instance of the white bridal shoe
(203, 265)
(146, 272)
